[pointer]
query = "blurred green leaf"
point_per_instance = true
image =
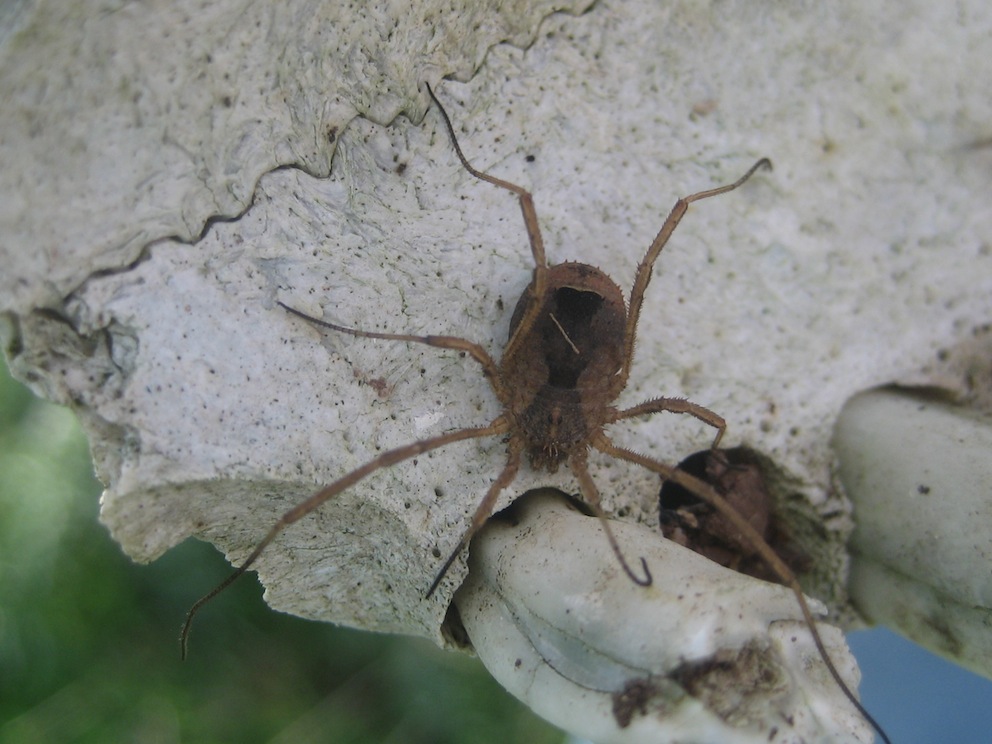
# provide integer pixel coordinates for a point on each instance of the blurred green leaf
(88, 640)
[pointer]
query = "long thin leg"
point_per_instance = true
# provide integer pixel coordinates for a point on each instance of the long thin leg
(590, 493)
(706, 492)
(474, 350)
(539, 281)
(646, 266)
(393, 456)
(675, 405)
(526, 200)
(485, 508)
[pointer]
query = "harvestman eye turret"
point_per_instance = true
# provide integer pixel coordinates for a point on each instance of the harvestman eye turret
(568, 358)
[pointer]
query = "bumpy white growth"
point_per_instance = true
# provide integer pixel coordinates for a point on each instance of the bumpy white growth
(920, 474)
(703, 655)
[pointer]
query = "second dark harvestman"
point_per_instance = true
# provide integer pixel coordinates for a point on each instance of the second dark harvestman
(568, 358)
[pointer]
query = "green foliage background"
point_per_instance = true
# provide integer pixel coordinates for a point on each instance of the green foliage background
(88, 640)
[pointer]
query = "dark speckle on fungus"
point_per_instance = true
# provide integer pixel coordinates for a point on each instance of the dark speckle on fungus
(633, 700)
(731, 682)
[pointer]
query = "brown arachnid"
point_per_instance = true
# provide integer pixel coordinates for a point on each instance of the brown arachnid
(568, 358)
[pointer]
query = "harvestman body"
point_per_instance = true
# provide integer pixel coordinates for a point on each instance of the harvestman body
(568, 358)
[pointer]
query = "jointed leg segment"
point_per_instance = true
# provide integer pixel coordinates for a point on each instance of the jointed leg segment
(539, 283)
(497, 427)
(485, 508)
(455, 343)
(590, 493)
(646, 266)
(676, 405)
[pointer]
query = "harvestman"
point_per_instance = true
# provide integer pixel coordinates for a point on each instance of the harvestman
(568, 357)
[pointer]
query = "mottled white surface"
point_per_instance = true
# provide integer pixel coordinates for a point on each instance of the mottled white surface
(556, 622)
(125, 123)
(920, 474)
(861, 258)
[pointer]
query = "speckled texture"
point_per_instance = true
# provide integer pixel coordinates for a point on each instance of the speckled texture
(556, 623)
(124, 123)
(856, 262)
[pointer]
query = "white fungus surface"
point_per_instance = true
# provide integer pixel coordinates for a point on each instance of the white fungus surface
(864, 258)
